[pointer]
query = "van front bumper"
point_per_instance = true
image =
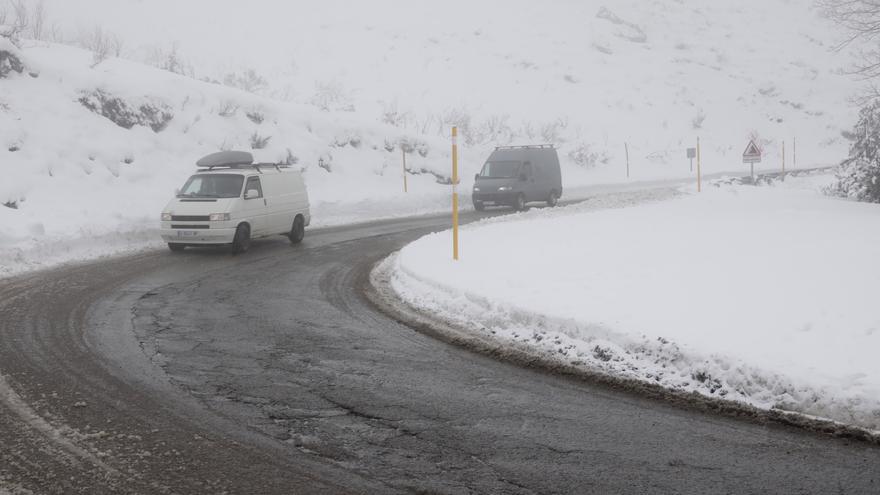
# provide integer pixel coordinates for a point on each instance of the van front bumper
(197, 236)
(498, 198)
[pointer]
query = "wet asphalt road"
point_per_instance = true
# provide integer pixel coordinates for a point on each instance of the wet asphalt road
(272, 373)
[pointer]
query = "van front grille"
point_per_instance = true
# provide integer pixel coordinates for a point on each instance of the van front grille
(190, 218)
(190, 227)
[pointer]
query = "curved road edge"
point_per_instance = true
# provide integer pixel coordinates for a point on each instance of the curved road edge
(379, 291)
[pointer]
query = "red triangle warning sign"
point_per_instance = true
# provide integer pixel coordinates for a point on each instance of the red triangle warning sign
(752, 151)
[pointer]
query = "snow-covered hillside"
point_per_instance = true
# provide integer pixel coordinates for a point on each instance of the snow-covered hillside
(347, 85)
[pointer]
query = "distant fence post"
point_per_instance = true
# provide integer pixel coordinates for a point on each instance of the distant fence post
(699, 169)
(626, 147)
(403, 150)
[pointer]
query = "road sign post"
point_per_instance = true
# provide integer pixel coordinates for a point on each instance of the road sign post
(691, 154)
(752, 155)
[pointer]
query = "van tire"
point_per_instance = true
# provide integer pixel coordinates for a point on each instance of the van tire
(176, 247)
(520, 202)
(242, 240)
(553, 200)
(479, 206)
(298, 231)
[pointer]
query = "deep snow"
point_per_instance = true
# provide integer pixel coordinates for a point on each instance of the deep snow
(764, 295)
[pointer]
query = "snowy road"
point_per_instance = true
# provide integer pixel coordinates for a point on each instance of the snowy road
(272, 373)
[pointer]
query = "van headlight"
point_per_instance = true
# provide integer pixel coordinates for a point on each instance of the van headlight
(219, 217)
(505, 188)
(476, 189)
(166, 217)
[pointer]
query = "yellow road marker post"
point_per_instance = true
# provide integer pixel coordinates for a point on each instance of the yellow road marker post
(455, 193)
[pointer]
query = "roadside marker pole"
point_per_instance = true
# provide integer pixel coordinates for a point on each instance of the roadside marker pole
(626, 147)
(455, 193)
(699, 171)
(783, 161)
(794, 158)
(402, 150)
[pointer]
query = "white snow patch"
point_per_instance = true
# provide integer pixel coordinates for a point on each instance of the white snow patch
(764, 295)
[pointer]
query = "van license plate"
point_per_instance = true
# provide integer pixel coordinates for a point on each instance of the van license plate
(187, 233)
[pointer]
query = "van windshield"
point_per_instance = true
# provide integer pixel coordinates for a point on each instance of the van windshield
(212, 186)
(500, 170)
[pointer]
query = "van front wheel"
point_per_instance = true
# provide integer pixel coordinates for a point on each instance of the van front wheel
(242, 240)
(520, 202)
(553, 200)
(479, 206)
(298, 231)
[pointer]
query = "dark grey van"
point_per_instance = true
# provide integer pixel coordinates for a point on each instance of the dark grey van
(516, 175)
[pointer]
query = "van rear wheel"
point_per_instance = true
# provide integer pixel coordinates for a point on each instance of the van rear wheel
(298, 231)
(176, 247)
(553, 200)
(242, 240)
(520, 202)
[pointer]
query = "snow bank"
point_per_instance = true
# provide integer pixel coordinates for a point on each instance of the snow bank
(764, 295)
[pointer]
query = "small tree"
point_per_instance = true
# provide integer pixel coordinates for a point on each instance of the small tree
(859, 175)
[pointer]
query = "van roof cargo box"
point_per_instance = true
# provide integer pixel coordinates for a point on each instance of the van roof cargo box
(234, 159)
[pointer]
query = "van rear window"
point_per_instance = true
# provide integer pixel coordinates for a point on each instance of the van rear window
(500, 170)
(212, 186)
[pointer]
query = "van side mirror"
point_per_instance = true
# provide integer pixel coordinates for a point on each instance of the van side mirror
(251, 194)
(476, 177)
(177, 192)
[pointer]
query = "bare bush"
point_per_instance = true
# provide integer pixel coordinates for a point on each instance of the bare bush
(227, 108)
(171, 60)
(553, 132)
(255, 116)
(585, 156)
(392, 115)
(331, 96)
(259, 142)
(37, 21)
(14, 20)
(247, 80)
(98, 42)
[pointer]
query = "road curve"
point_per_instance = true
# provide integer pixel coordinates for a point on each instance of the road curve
(271, 372)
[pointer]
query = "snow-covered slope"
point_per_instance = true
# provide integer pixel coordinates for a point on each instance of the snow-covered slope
(345, 83)
(762, 295)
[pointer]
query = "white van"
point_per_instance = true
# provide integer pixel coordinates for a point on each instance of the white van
(231, 200)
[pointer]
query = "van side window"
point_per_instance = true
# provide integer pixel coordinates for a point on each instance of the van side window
(527, 170)
(254, 183)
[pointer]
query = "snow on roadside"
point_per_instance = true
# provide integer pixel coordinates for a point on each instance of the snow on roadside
(763, 295)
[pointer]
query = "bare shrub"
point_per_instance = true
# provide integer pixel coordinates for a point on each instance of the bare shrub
(255, 116)
(98, 42)
(154, 115)
(14, 20)
(392, 115)
(331, 96)
(495, 129)
(552, 132)
(697, 121)
(227, 108)
(585, 156)
(171, 60)
(37, 20)
(247, 80)
(259, 142)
